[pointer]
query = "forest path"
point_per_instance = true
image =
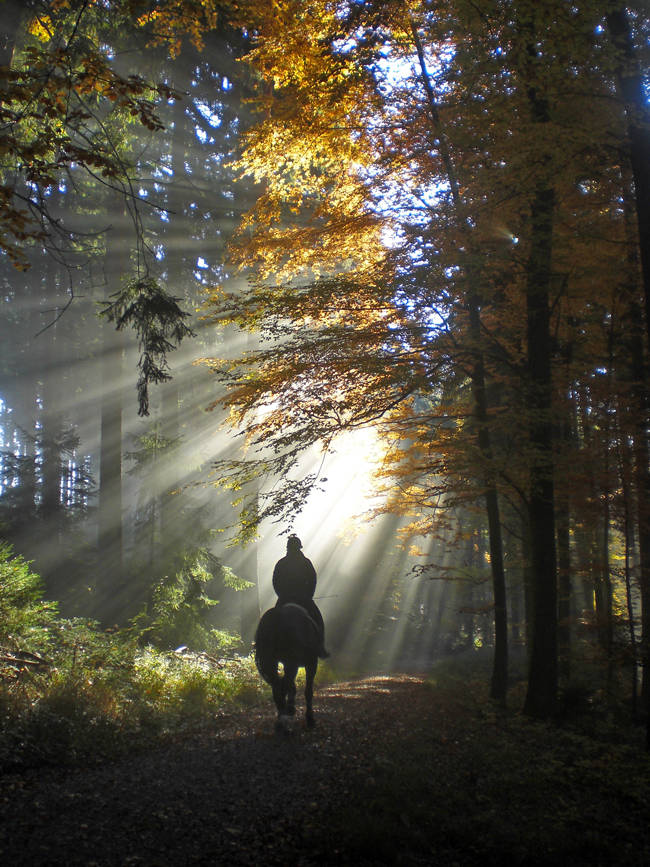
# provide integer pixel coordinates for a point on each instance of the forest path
(397, 771)
(236, 795)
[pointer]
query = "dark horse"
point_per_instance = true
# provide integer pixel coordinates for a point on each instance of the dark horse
(289, 636)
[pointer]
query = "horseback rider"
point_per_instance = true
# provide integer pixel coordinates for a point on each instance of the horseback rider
(294, 580)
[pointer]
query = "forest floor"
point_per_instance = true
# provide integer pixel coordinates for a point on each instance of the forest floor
(398, 770)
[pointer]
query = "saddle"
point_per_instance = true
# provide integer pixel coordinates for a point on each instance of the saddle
(304, 611)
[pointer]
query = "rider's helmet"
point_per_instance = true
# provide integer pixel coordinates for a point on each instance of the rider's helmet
(293, 543)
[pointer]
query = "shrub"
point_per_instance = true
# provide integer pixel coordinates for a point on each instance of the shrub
(69, 690)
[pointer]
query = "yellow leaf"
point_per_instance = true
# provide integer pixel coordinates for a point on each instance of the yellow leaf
(41, 28)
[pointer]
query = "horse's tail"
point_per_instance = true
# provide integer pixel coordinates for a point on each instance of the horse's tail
(264, 660)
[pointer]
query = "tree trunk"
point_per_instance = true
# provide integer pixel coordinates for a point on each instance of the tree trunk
(542, 697)
(631, 87)
(499, 681)
(170, 427)
(110, 460)
(564, 600)
(626, 472)
(641, 453)
(12, 14)
(51, 417)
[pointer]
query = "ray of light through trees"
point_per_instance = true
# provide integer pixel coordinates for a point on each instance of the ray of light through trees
(381, 277)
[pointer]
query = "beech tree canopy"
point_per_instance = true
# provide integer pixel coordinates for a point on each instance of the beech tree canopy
(449, 247)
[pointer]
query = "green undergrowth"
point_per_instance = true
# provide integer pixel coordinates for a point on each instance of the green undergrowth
(469, 783)
(71, 691)
(93, 711)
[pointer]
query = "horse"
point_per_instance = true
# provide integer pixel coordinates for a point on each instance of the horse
(287, 635)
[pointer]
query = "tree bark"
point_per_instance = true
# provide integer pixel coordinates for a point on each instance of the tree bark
(51, 416)
(499, 680)
(542, 696)
(170, 390)
(110, 461)
(562, 516)
(12, 15)
(631, 87)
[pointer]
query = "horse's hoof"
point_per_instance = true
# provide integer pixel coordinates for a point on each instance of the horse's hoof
(283, 725)
(309, 719)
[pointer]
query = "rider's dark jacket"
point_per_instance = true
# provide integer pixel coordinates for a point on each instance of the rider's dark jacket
(294, 579)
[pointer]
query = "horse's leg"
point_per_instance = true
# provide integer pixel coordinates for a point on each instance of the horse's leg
(289, 688)
(269, 672)
(310, 674)
(278, 693)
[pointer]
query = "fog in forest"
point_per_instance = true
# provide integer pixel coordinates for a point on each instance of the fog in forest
(115, 509)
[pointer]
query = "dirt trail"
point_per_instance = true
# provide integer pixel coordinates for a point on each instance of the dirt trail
(238, 795)
(398, 772)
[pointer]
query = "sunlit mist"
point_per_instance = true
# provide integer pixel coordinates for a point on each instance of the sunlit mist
(112, 506)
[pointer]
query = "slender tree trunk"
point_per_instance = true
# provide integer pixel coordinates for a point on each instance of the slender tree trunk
(542, 696)
(564, 598)
(641, 458)
(625, 464)
(12, 14)
(642, 474)
(528, 584)
(440, 612)
(631, 87)
(515, 614)
(249, 570)
(543, 671)
(499, 681)
(609, 598)
(110, 460)
(51, 417)
(170, 390)
(608, 591)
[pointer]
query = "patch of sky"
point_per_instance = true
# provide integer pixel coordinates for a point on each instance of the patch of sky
(210, 112)
(159, 251)
(143, 193)
(226, 84)
(409, 194)
(201, 263)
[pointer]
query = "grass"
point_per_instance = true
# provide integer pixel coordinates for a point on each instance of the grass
(87, 711)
